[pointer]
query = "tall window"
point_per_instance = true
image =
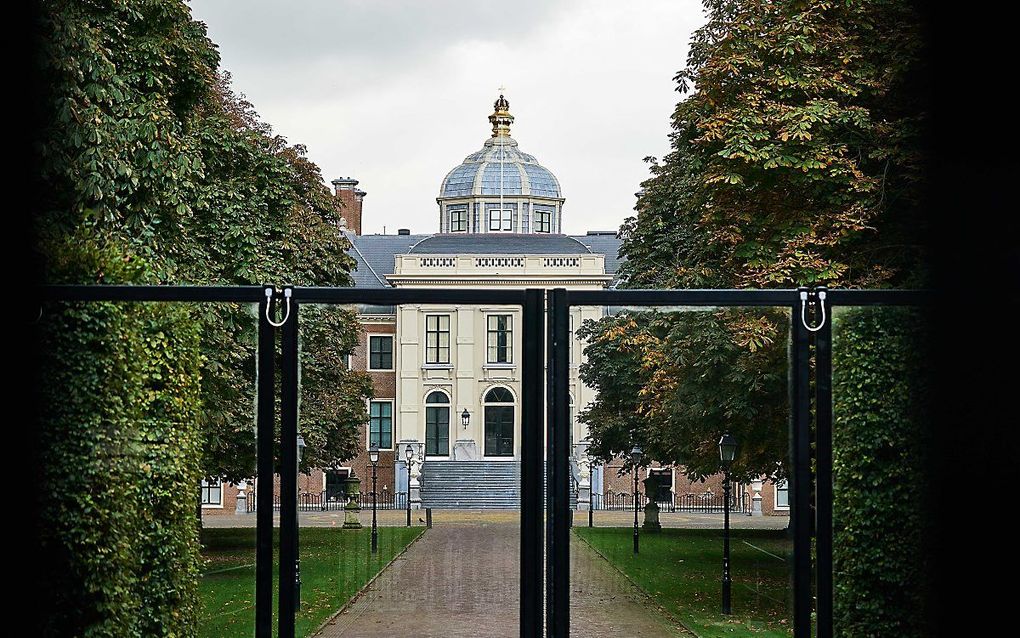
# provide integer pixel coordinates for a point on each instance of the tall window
(212, 493)
(380, 424)
(437, 424)
(501, 220)
(499, 422)
(500, 338)
(437, 339)
(458, 221)
(380, 352)
(782, 495)
(543, 221)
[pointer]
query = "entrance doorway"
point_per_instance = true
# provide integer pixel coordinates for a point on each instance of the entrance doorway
(437, 424)
(336, 485)
(499, 422)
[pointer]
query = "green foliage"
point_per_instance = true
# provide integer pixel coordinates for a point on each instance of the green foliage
(879, 441)
(675, 382)
(157, 173)
(119, 441)
(795, 159)
(327, 335)
(147, 145)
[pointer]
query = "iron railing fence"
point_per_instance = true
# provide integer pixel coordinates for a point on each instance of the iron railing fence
(335, 501)
(545, 312)
(704, 502)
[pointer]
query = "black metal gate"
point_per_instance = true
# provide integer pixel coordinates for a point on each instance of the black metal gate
(546, 320)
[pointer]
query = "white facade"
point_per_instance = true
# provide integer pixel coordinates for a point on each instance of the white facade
(456, 363)
(472, 369)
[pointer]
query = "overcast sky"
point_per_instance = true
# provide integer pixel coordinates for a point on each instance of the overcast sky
(395, 93)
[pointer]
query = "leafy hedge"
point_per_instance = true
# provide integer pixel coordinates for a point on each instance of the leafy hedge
(119, 462)
(879, 438)
(156, 172)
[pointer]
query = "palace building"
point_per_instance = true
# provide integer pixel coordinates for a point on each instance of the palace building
(447, 378)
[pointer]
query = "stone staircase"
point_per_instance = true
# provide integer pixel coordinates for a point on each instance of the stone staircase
(471, 484)
(475, 485)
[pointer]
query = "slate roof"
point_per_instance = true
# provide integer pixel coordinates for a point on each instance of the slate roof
(608, 245)
(375, 254)
(499, 244)
(375, 257)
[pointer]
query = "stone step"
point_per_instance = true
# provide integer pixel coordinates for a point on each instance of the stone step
(471, 484)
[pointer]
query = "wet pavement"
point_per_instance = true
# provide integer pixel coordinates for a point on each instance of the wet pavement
(461, 580)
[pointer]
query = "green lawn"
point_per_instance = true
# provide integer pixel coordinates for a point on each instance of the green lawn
(682, 570)
(335, 565)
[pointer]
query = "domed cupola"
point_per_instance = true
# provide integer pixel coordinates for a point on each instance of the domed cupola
(500, 188)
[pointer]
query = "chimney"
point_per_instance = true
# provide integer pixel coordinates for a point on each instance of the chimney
(350, 202)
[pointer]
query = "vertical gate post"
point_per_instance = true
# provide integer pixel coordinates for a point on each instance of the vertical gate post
(800, 476)
(265, 426)
(288, 473)
(558, 488)
(532, 447)
(823, 468)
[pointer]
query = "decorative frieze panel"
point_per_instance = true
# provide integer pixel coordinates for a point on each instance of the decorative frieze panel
(438, 262)
(499, 262)
(561, 262)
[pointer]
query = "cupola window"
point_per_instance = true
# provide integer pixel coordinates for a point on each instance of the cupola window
(501, 220)
(543, 221)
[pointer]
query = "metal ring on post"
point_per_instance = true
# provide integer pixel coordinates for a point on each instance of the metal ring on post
(286, 293)
(803, 310)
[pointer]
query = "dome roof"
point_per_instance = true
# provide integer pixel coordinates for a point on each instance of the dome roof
(479, 173)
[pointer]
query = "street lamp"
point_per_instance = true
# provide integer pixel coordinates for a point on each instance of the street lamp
(409, 454)
(297, 513)
(465, 418)
(727, 452)
(635, 456)
(373, 456)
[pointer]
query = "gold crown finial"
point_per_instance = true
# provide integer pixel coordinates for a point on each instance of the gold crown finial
(501, 118)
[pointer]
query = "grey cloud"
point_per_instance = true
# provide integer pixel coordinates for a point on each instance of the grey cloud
(268, 32)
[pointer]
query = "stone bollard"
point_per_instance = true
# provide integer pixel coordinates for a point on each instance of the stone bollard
(756, 498)
(652, 523)
(352, 508)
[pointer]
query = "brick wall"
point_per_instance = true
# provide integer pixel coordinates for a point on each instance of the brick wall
(681, 484)
(351, 202)
(612, 481)
(229, 492)
(384, 386)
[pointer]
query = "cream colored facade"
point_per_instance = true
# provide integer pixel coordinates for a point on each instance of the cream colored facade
(470, 374)
(500, 226)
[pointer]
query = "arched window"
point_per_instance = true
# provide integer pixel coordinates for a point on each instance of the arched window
(499, 395)
(437, 424)
(499, 422)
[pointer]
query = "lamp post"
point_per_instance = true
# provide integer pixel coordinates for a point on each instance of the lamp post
(408, 454)
(635, 456)
(727, 452)
(297, 513)
(465, 418)
(373, 456)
